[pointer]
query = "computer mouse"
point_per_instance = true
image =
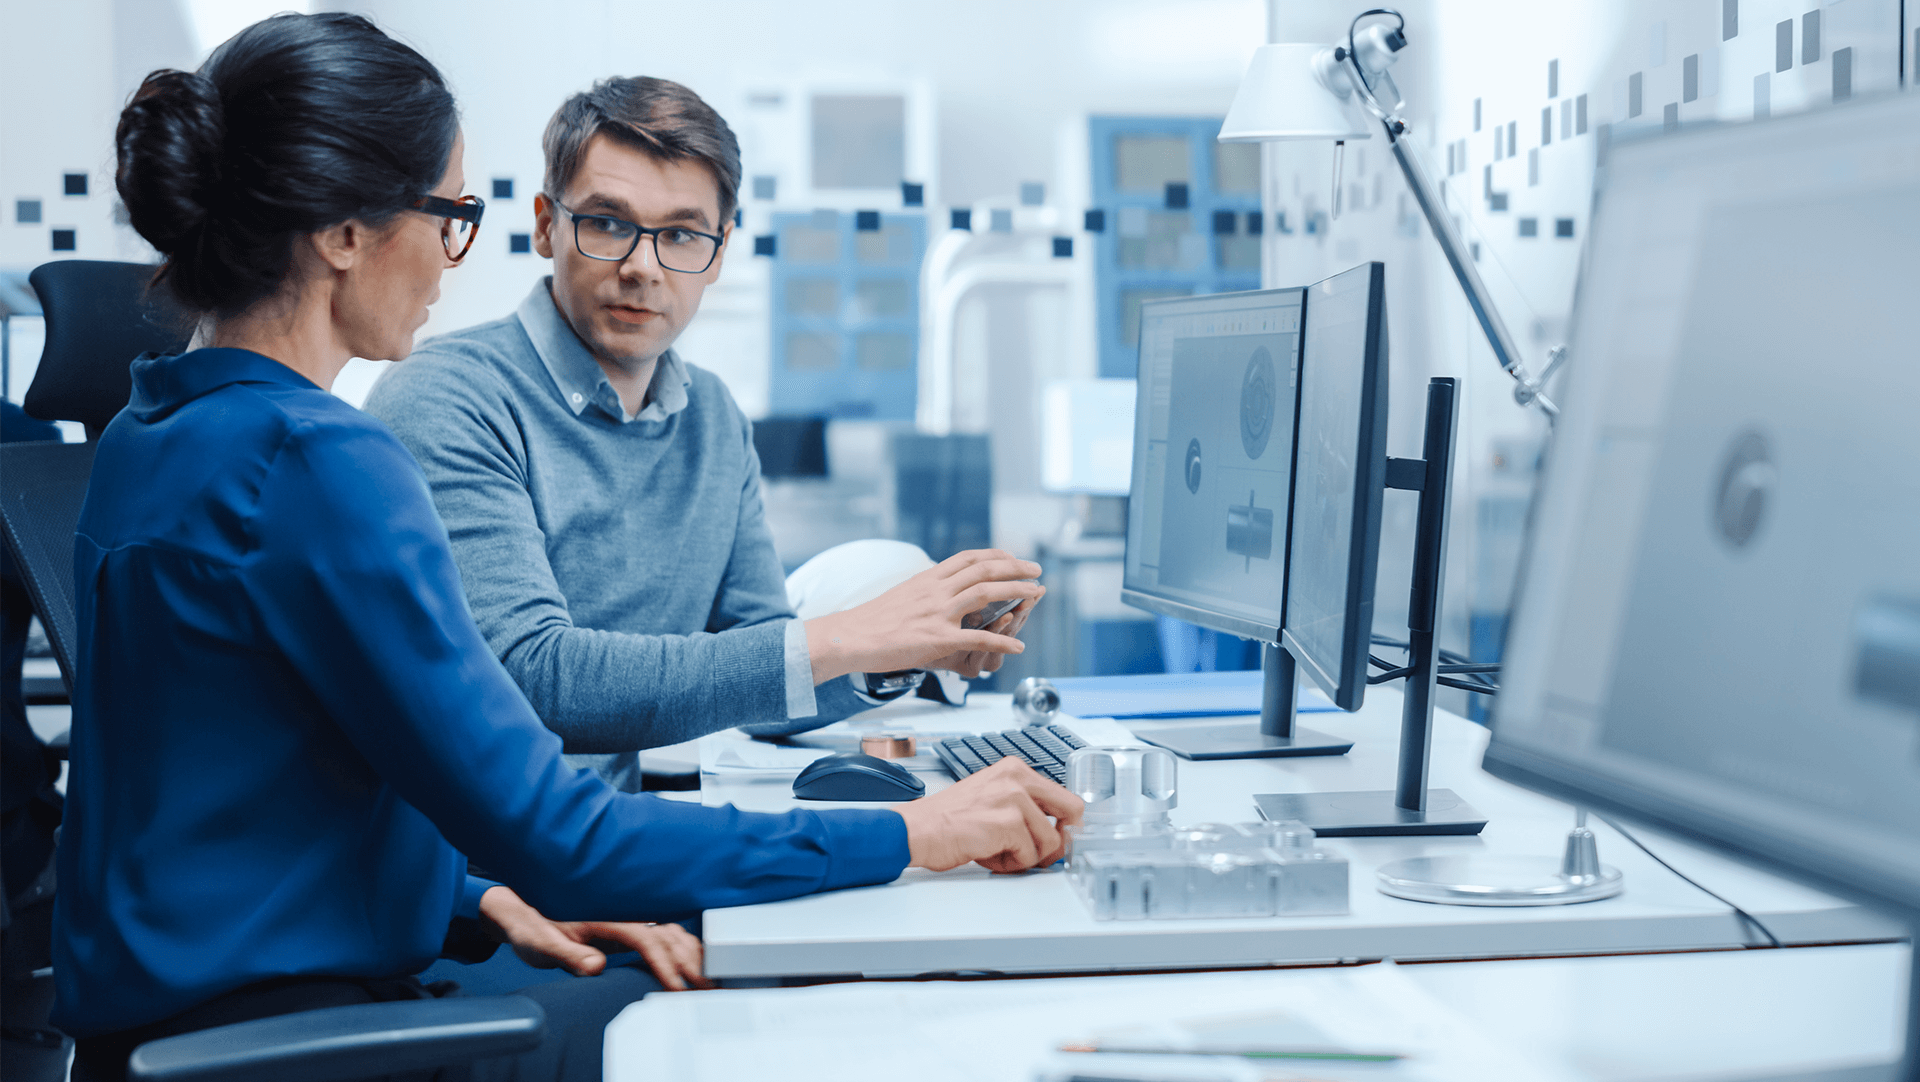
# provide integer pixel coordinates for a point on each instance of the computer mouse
(853, 776)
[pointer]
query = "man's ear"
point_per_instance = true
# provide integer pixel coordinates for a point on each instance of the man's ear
(341, 246)
(543, 224)
(719, 257)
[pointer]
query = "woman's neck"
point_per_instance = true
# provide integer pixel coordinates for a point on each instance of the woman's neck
(296, 331)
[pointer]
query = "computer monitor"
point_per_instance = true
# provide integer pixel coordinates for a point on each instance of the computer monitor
(1340, 474)
(1211, 486)
(1718, 625)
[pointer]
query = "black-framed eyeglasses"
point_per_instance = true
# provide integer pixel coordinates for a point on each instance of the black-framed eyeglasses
(675, 247)
(460, 221)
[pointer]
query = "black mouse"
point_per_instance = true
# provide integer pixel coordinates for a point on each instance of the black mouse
(853, 776)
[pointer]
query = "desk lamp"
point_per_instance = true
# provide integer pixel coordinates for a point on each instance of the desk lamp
(1342, 92)
(1307, 91)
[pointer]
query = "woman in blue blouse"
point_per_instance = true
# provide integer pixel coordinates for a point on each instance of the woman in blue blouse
(288, 735)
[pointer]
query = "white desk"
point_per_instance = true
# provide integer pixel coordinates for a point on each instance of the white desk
(1692, 1017)
(968, 920)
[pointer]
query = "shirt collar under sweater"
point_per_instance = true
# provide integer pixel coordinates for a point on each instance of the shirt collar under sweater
(578, 375)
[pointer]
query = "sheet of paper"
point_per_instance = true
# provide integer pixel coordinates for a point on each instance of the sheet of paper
(994, 1030)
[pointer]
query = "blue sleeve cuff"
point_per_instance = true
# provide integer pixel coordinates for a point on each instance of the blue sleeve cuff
(800, 699)
(469, 907)
(866, 847)
(467, 938)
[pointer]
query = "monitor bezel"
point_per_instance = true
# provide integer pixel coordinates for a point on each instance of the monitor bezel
(1347, 687)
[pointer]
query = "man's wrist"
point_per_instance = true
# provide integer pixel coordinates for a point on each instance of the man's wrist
(826, 648)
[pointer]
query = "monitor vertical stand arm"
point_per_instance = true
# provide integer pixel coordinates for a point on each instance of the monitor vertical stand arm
(1432, 478)
(1410, 808)
(1277, 705)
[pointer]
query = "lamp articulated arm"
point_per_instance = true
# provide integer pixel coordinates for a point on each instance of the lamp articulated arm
(1372, 52)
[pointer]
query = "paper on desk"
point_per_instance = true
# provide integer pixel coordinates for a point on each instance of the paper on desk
(735, 756)
(972, 1032)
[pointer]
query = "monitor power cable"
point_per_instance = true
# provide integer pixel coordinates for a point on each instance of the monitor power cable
(1479, 674)
(1772, 940)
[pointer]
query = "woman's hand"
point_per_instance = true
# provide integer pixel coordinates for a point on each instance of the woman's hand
(674, 954)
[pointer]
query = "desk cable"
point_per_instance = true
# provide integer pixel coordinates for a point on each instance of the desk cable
(1772, 940)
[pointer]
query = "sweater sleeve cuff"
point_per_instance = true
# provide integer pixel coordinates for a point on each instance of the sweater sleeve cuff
(470, 896)
(467, 939)
(800, 699)
(864, 846)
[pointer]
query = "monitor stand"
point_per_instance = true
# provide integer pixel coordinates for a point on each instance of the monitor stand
(1271, 735)
(1410, 808)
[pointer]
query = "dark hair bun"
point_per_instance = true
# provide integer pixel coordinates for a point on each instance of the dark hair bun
(169, 142)
(295, 125)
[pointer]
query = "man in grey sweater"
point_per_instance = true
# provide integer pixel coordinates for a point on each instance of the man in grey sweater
(603, 496)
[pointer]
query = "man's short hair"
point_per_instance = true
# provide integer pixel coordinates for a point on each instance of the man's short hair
(657, 117)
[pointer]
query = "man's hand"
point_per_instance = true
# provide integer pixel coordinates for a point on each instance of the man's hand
(674, 955)
(972, 663)
(916, 625)
(998, 817)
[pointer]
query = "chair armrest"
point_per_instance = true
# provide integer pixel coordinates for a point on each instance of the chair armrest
(346, 1042)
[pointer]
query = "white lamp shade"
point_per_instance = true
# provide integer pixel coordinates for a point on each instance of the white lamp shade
(1282, 97)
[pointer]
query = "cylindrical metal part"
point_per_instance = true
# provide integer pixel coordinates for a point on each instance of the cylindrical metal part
(1036, 701)
(889, 745)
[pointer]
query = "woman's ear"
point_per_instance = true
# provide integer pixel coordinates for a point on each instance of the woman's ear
(340, 246)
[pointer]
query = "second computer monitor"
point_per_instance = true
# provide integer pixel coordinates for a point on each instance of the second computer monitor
(1339, 477)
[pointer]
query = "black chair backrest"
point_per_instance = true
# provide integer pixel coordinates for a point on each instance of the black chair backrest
(42, 486)
(99, 318)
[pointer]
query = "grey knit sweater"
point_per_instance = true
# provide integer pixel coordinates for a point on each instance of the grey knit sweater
(621, 569)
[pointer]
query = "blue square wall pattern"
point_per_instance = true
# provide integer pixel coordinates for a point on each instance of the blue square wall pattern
(519, 243)
(765, 187)
(26, 211)
(1033, 194)
(1225, 222)
(866, 221)
(1063, 247)
(1563, 228)
(74, 184)
(503, 187)
(64, 240)
(912, 195)
(959, 218)
(1176, 196)
(1000, 220)
(1256, 223)
(764, 245)
(1529, 227)
(1096, 221)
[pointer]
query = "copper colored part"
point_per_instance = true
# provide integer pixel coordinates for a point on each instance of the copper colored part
(889, 746)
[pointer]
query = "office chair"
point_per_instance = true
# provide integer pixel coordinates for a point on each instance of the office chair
(98, 318)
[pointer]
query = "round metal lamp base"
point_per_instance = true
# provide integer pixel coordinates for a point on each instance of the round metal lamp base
(1503, 881)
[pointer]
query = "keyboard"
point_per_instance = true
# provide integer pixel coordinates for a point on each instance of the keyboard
(1042, 747)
